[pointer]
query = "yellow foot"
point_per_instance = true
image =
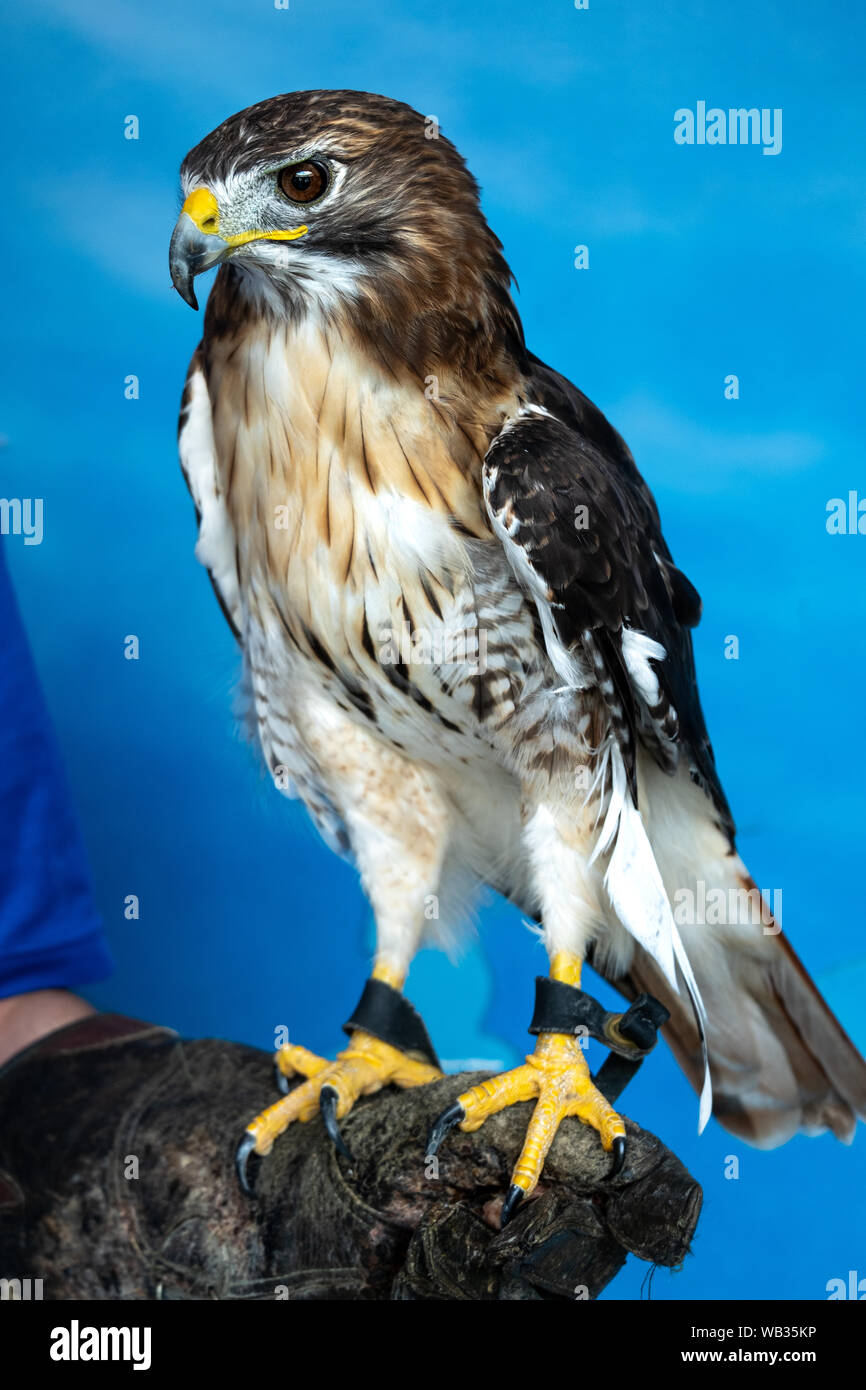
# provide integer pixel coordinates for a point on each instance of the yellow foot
(557, 1074)
(331, 1089)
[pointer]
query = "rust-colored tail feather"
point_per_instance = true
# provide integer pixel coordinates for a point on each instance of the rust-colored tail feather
(780, 1060)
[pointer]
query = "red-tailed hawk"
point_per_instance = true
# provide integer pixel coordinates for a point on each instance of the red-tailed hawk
(465, 639)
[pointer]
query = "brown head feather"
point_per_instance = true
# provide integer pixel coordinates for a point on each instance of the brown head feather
(432, 287)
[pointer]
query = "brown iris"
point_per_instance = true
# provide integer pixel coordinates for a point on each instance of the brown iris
(304, 182)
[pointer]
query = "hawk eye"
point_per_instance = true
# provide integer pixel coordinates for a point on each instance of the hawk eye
(304, 182)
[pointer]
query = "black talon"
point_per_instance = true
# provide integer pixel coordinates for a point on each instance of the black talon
(445, 1123)
(281, 1079)
(618, 1156)
(242, 1155)
(512, 1202)
(328, 1105)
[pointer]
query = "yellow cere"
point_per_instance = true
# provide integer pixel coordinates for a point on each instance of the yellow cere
(201, 208)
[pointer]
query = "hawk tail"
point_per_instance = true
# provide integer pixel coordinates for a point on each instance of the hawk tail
(779, 1058)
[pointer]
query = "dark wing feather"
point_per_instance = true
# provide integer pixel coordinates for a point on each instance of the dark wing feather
(604, 570)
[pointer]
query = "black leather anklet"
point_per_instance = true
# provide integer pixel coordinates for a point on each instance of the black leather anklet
(387, 1014)
(562, 1008)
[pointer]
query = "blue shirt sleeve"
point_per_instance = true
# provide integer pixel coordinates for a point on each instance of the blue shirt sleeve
(51, 936)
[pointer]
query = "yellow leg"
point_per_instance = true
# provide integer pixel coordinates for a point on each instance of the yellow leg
(364, 1066)
(557, 1076)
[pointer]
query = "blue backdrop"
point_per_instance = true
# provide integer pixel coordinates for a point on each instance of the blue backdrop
(704, 261)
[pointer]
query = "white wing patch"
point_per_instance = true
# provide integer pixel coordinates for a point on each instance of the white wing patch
(637, 649)
(215, 548)
(639, 898)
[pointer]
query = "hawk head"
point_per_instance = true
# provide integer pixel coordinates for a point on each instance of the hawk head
(352, 204)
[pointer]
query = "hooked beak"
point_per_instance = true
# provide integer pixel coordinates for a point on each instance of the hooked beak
(195, 243)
